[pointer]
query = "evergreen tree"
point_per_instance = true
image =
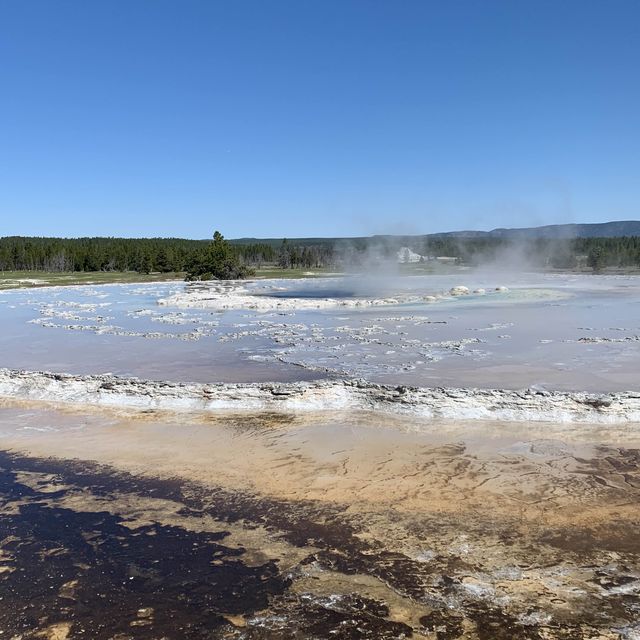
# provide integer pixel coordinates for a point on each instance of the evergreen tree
(219, 261)
(284, 257)
(596, 259)
(145, 263)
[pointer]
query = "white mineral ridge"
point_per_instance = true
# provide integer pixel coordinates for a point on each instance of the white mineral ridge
(327, 395)
(233, 296)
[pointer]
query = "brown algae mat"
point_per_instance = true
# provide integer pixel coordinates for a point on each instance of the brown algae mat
(118, 525)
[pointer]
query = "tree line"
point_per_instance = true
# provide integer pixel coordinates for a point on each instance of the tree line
(596, 253)
(96, 254)
(145, 255)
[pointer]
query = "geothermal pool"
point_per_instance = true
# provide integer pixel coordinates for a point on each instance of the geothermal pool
(361, 458)
(567, 332)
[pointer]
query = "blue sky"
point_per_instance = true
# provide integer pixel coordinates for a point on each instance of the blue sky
(316, 118)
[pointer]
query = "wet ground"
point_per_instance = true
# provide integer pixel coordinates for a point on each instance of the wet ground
(571, 332)
(379, 534)
(103, 575)
(140, 524)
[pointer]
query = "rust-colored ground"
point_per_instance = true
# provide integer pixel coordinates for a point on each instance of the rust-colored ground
(282, 526)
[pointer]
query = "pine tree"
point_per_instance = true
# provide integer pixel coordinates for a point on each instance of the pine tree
(219, 262)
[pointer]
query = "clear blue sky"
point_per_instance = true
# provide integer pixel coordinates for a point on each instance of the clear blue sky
(316, 118)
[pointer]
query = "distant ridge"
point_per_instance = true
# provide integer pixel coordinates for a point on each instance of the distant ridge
(615, 229)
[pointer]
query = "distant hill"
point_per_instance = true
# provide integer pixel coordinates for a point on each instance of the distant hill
(595, 230)
(616, 229)
(300, 242)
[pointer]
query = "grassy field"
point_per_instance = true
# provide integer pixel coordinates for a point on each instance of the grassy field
(29, 279)
(26, 279)
(277, 272)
